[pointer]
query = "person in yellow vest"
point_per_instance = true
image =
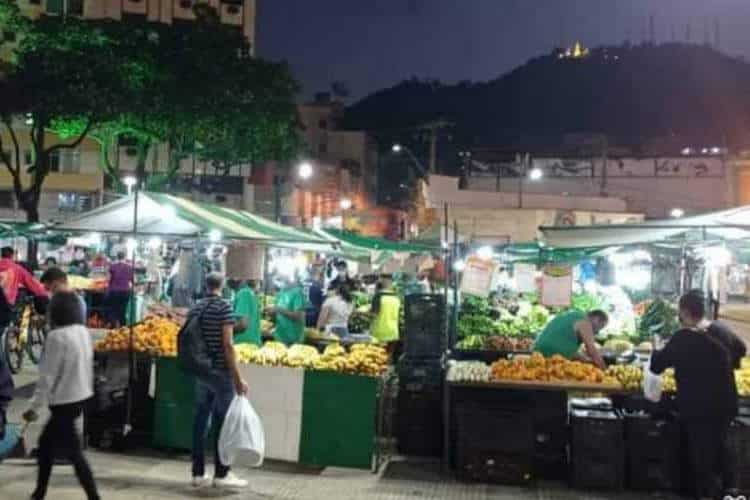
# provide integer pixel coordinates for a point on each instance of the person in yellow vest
(386, 306)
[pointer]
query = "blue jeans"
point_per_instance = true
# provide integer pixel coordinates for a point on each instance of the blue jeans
(212, 399)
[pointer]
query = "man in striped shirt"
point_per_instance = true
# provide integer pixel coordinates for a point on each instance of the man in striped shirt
(214, 394)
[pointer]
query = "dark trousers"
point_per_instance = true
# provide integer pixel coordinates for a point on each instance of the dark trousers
(59, 439)
(117, 306)
(212, 398)
(711, 462)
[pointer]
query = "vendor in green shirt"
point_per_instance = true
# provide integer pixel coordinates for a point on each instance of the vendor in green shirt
(290, 312)
(247, 312)
(567, 331)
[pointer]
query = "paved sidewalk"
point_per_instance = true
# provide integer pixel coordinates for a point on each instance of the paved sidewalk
(152, 475)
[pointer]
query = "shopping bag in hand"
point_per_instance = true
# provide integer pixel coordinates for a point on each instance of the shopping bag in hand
(242, 439)
(652, 383)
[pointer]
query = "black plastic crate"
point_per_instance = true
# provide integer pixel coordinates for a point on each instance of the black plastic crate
(653, 473)
(649, 438)
(502, 431)
(492, 466)
(592, 473)
(551, 466)
(419, 422)
(597, 433)
(418, 375)
(552, 440)
(424, 333)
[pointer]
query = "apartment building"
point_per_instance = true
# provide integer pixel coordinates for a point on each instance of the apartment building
(238, 13)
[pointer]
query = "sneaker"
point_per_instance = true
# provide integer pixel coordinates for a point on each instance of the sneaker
(230, 481)
(201, 481)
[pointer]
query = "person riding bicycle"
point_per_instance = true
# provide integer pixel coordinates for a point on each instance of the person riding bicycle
(13, 276)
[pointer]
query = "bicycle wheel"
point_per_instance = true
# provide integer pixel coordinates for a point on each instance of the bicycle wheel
(35, 342)
(13, 348)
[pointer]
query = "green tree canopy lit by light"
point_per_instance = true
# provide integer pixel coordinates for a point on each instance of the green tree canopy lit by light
(193, 87)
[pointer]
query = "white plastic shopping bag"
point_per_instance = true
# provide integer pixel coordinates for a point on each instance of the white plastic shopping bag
(652, 383)
(242, 441)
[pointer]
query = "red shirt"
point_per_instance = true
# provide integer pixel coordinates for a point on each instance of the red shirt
(13, 276)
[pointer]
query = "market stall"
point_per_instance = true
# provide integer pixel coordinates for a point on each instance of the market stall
(560, 419)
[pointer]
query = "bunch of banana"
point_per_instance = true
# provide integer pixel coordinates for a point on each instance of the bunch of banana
(668, 381)
(245, 352)
(629, 376)
(301, 356)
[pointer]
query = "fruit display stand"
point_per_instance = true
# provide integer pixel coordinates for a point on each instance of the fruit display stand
(311, 417)
(315, 417)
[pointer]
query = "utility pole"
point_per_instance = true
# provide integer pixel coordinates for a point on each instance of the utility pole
(434, 129)
(605, 147)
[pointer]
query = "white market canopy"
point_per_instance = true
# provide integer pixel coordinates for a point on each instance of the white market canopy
(164, 215)
(730, 225)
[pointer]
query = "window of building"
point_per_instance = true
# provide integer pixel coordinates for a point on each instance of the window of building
(73, 202)
(75, 7)
(9, 36)
(65, 161)
(35, 2)
(6, 199)
(323, 124)
(55, 7)
(323, 148)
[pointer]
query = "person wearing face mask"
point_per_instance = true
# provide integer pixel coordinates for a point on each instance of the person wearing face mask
(704, 355)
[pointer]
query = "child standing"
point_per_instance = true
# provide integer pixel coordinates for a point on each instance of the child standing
(65, 382)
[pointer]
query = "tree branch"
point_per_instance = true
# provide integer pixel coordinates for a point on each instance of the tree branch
(75, 143)
(13, 171)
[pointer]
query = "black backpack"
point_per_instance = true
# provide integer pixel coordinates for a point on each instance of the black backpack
(192, 350)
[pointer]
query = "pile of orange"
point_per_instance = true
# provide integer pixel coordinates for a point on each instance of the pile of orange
(154, 335)
(537, 368)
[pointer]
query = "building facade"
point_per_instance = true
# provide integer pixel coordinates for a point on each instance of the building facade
(238, 13)
(656, 185)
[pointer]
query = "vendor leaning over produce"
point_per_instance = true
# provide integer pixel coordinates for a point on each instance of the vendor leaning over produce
(566, 332)
(289, 311)
(703, 356)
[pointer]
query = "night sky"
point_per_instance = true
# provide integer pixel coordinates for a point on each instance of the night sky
(371, 44)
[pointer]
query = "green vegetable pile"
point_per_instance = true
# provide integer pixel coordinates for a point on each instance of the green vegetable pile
(660, 319)
(479, 321)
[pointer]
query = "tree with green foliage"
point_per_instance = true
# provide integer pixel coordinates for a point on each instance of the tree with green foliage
(206, 97)
(59, 80)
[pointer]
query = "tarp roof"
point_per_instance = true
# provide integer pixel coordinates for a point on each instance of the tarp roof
(380, 244)
(733, 224)
(169, 216)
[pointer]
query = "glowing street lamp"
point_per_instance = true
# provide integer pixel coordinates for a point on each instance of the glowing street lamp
(677, 213)
(130, 182)
(536, 174)
(396, 148)
(305, 170)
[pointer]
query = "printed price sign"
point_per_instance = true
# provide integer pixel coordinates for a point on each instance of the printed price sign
(525, 276)
(557, 286)
(477, 277)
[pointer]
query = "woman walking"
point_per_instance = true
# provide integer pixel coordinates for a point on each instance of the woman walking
(65, 382)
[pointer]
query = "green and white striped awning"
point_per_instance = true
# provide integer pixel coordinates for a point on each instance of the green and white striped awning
(170, 216)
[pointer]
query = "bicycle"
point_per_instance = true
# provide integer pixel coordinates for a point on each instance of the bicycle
(24, 335)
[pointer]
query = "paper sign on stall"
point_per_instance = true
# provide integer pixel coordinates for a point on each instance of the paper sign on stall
(557, 286)
(525, 275)
(477, 277)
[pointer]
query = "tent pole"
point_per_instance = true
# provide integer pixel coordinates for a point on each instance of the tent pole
(131, 354)
(446, 274)
(454, 315)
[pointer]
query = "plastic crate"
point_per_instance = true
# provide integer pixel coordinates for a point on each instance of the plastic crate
(419, 422)
(653, 473)
(420, 375)
(597, 433)
(591, 473)
(649, 438)
(424, 333)
(492, 466)
(551, 466)
(507, 432)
